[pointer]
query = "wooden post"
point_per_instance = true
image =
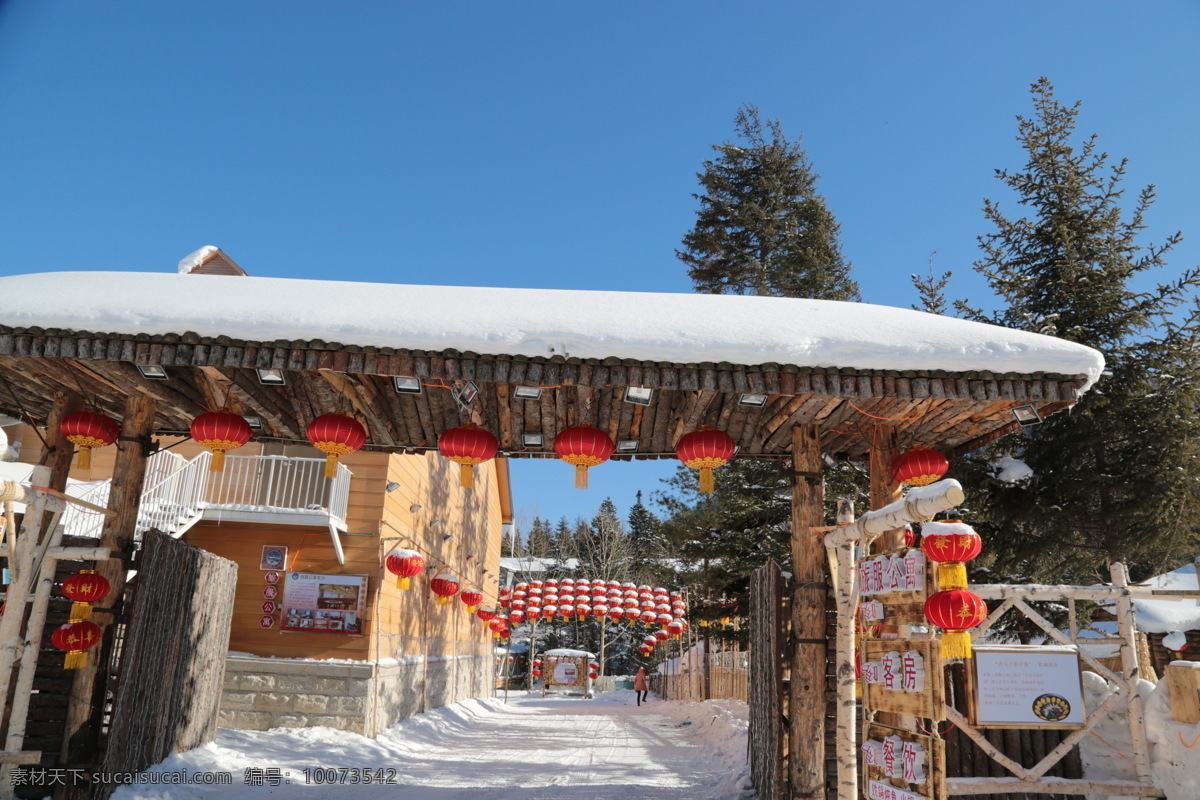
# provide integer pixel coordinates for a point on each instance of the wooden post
(60, 452)
(884, 490)
(1183, 692)
(1129, 665)
(129, 472)
(806, 736)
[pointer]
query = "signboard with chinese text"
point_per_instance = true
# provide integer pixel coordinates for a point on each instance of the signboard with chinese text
(315, 603)
(1026, 686)
(900, 764)
(903, 676)
(894, 587)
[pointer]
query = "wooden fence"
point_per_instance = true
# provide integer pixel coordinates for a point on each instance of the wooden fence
(173, 661)
(766, 694)
(725, 675)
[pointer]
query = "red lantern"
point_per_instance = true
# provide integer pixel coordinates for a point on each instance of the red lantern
(537, 673)
(662, 634)
(650, 641)
(517, 616)
(919, 467)
(85, 587)
(649, 617)
(472, 598)
(219, 431)
(950, 543)
(467, 445)
(615, 614)
(593, 675)
(86, 430)
(336, 435)
(956, 612)
(675, 628)
(405, 565)
(705, 449)
(549, 611)
(445, 586)
(486, 613)
(76, 638)
(583, 446)
(599, 610)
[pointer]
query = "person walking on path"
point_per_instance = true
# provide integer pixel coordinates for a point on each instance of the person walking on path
(639, 685)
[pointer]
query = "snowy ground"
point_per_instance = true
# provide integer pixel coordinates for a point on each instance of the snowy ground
(532, 748)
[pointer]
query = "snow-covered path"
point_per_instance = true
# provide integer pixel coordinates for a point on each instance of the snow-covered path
(530, 749)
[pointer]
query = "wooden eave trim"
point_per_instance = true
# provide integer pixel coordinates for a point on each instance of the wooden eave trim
(505, 487)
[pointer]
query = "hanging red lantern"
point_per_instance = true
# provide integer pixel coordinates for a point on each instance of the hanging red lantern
(85, 588)
(675, 628)
(662, 634)
(467, 445)
(950, 543)
(650, 641)
(956, 612)
(517, 616)
(87, 430)
(76, 637)
(486, 613)
(537, 673)
(445, 586)
(615, 614)
(471, 598)
(583, 446)
(336, 435)
(593, 675)
(549, 612)
(706, 449)
(405, 565)
(599, 610)
(220, 431)
(919, 467)
(649, 617)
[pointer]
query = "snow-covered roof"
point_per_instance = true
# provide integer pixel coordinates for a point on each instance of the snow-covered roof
(668, 328)
(566, 651)
(532, 564)
(1164, 616)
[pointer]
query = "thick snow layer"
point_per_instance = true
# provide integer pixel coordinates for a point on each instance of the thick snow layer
(1175, 640)
(533, 748)
(677, 328)
(567, 651)
(946, 529)
(1011, 470)
(1163, 616)
(1108, 755)
(194, 259)
(1175, 748)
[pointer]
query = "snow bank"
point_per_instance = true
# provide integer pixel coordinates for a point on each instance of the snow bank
(1108, 755)
(1175, 750)
(720, 726)
(676, 328)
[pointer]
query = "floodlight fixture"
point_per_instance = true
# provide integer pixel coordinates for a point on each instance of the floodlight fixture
(627, 445)
(405, 384)
(391, 486)
(527, 392)
(753, 400)
(447, 537)
(529, 440)
(414, 508)
(271, 377)
(638, 395)
(1027, 415)
(153, 372)
(254, 421)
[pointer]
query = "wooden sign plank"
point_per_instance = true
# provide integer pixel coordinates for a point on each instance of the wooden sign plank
(934, 785)
(929, 703)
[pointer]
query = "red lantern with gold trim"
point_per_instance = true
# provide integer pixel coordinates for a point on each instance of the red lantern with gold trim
(950, 543)
(220, 431)
(919, 467)
(76, 637)
(956, 612)
(486, 613)
(706, 449)
(662, 634)
(467, 445)
(88, 430)
(85, 588)
(445, 586)
(336, 435)
(405, 564)
(582, 447)
(472, 598)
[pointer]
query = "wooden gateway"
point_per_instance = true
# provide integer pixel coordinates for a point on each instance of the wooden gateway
(797, 380)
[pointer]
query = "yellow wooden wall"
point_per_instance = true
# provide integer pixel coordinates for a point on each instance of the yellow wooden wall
(396, 623)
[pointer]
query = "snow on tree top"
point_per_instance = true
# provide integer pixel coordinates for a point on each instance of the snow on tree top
(671, 328)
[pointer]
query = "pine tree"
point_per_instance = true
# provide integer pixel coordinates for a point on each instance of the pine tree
(539, 543)
(645, 540)
(762, 228)
(1115, 478)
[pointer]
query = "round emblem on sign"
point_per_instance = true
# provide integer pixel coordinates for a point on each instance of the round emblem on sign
(271, 577)
(268, 607)
(267, 621)
(1052, 708)
(270, 592)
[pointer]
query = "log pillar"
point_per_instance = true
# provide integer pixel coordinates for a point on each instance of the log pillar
(806, 714)
(884, 490)
(57, 456)
(129, 472)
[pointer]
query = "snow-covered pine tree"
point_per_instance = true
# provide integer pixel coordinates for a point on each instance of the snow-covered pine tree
(762, 228)
(645, 541)
(1115, 478)
(538, 544)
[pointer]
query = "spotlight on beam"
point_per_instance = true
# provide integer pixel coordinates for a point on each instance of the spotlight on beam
(153, 372)
(406, 385)
(527, 392)
(638, 395)
(753, 400)
(271, 377)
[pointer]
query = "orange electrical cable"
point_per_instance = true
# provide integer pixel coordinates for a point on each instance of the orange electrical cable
(888, 419)
(1110, 747)
(1185, 744)
(939, 733)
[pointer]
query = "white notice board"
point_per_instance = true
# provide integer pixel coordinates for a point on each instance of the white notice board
(1026, 686)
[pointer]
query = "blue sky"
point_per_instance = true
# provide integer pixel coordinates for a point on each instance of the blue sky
(550, 144)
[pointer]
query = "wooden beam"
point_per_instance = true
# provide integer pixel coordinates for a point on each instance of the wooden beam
(129, 472)
(806, 736)
(60, 452)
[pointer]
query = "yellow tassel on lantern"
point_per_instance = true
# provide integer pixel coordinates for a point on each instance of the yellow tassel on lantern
(403, 582)
(443, 600)
(470, 609)
(218, 461)
(76, 659)
(81, 611)
(331, 465)
(85, 458)
(581, 481)
(466, 476)
(952, 575)
(955, 645)
(706, 481)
